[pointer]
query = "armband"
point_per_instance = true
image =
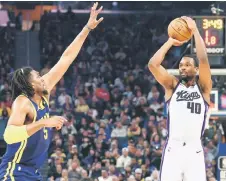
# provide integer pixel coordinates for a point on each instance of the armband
(15, 134)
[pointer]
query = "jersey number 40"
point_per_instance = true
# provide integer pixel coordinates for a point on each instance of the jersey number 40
(194, 107)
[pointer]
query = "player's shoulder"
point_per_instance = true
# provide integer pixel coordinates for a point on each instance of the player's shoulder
(22, 99)
(204, 88)
(173, 84)
(176, 82)
(22, 102)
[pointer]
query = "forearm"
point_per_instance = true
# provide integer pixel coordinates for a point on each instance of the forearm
(73, 49)
(200, 48)
(158, 57)
(15, 134)
(69, 55)
(34, 127)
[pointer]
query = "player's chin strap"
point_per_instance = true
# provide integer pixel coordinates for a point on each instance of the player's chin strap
(184, 52)
(15, 134)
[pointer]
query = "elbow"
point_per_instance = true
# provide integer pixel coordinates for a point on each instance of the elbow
(152, 66)
(152, 63)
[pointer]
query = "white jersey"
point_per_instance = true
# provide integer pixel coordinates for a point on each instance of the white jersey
(187, 112)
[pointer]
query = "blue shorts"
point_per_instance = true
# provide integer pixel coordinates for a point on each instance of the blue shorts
(18, 172)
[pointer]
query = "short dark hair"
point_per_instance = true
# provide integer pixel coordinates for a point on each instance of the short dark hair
(20, 83)
(196, 62)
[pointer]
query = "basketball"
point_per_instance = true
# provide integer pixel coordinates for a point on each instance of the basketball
(178, 29)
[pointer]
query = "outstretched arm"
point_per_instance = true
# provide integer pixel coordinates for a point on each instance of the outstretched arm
(204, 67)
(57, 72)
(159, 72)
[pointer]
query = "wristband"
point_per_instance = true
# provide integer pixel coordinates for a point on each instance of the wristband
(88, 28)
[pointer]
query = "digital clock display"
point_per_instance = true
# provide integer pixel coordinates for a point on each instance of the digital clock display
(212, 30)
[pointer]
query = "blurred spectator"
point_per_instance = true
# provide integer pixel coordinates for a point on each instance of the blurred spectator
(119, 131)
(96, 170)
(154, 176)
(64, 98)
(82, 106)
(59, 155)
(4, 110)
(75, 171)
(124, 160)
(104, 175)
(64, 175)
(69, 128)
(84, 175)
(55, 172)
(19, 21)
(211, 151)
(46, 69)
(138, 174)
(134, 130)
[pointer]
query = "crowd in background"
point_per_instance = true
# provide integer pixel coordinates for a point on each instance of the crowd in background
(7, 36)
(117, 124)
(141, 6)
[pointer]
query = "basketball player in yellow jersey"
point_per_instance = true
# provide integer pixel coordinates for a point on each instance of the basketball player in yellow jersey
(187, 99)
(29, 130)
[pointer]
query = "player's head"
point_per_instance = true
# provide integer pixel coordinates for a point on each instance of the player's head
(27, 81)
(188, 68)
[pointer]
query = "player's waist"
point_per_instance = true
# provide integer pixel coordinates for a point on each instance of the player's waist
(183, 142)
(19, 167)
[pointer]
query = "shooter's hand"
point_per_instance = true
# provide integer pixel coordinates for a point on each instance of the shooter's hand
(191, 23)
(175, 42)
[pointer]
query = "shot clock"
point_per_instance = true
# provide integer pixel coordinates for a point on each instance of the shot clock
(212, 30)
(222, 168)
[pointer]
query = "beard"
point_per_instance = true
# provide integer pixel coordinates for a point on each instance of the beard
(186, 79)
(45, 92)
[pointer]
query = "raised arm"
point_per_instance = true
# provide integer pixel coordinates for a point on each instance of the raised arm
(161, 75)
(69, 55)
(205, 80)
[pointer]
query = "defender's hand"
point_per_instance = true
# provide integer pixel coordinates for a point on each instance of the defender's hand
(93, 22)
(55, 121)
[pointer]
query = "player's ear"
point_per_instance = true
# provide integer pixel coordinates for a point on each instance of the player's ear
(33, 85)
(197, 70)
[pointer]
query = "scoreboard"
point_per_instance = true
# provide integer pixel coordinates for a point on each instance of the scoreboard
(212, 30)
(222, 168)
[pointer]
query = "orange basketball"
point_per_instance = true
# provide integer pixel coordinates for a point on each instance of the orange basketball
(178, 29)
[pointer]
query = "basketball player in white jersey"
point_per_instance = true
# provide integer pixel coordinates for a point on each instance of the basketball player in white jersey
(187, 100)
